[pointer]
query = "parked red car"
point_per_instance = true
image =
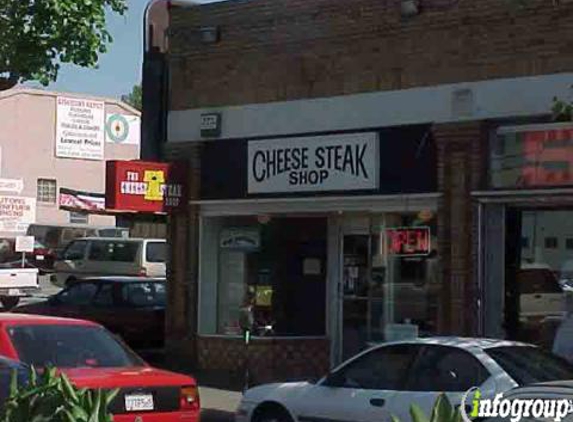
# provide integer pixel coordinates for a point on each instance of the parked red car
(93, 358)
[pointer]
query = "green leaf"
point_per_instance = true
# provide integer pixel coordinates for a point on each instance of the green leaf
(442, 410)
(135, 98)
(56, 399)
(33, 376)
(33, 34)
(14, 383)
(111, 395)
(417, 414)
(457, 416)
(95, 415)
(68, 389)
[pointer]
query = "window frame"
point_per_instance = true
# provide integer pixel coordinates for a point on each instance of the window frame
(106, 244)
(78, 286)
(124, 297)
(75, 242)
(101, 286)
(22, 349)
(154, 242)
(428, 347)
(44, 185)
(500, 353)
(335, 379)
(551, 242)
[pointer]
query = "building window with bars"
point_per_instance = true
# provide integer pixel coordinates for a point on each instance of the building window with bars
(47, 191)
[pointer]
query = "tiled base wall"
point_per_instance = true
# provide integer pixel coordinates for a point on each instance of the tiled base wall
(269, 360)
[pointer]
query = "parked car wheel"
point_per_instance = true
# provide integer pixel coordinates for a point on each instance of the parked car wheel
(9, 302)
(272, 414)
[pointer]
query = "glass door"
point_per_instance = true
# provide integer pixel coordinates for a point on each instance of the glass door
(355, 302)
(390, 280)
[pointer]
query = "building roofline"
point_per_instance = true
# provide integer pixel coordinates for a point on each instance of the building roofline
(40, 92)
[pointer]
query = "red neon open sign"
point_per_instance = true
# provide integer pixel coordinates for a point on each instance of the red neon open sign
(409, 241)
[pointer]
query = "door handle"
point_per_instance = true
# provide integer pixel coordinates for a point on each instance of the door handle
(537, 296)
(377, 402)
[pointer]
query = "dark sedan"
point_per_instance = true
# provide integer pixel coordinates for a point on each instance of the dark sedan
(132, 307)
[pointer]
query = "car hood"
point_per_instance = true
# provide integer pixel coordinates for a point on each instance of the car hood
(125, 377)
(277, 391)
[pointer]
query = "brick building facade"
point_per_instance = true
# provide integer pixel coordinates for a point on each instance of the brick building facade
(280, 69)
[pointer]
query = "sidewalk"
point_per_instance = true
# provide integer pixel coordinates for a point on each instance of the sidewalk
(218, 405)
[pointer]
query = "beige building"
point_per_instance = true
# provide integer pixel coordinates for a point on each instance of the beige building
(53, 149)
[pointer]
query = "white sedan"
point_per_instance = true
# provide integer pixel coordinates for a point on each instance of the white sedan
(385, 380)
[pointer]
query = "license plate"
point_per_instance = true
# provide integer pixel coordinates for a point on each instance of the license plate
(39, 257)
(14, 292)
(138, 402)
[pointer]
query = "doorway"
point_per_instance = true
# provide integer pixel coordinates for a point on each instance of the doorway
(390, 278)
(538, 272)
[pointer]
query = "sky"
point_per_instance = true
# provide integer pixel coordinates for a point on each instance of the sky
(120, 68)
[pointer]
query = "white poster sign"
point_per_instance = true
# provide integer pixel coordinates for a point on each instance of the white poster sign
(11, 185)
(25, 243)
(122, 129)
(80, 128)
(310, 164)
(16, 213)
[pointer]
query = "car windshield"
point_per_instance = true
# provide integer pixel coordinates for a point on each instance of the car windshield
(528, 365)
(144, 294)
(156, 252)
(39, 245)
(70, 346)
(537, 281)
(114, 251)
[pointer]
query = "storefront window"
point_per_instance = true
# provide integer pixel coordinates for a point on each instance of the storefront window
(267, 274)
(391, 278)
(539, 156)
(542, 280)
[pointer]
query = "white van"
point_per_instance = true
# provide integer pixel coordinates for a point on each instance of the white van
(98, 256)
(57, 237)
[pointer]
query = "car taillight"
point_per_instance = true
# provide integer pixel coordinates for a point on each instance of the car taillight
(189, 398)
(143, 272)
